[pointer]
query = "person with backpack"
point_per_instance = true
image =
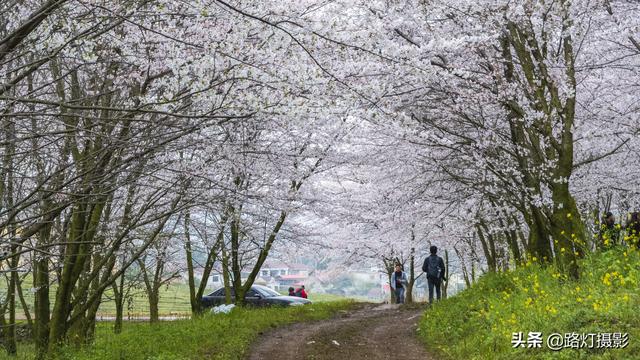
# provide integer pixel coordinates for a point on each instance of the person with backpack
(398, 282)
(301, 293)
(434, 268)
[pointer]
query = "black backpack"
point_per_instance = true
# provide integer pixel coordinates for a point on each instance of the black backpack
(433, 268)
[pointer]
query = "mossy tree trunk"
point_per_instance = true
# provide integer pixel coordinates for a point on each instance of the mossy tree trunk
(412, 273)
(547, 138)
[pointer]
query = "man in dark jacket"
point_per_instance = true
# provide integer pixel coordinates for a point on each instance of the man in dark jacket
(434, 268)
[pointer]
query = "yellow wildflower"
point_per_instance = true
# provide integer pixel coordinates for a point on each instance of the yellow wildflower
(528, 302)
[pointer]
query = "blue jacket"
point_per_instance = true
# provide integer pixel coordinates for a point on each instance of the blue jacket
(403, 280)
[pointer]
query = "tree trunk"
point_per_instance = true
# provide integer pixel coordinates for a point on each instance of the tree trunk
(568, 229)
(488, 254)
(539, 244)
(41, 296)
(118, 292)
(463, 266)
(473, 272)
(10, 344)
(445, 284)
(152, 288)
(8, 192)
(412, 277)
(392, 300)
(389, 265)
(154, 299)
(195, 304)
(82, 231)
(225, 276)
(235, 258)
(512, 238)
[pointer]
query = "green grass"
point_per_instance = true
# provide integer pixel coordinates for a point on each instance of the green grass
(321, 297)
(481, 320)
(222, 336)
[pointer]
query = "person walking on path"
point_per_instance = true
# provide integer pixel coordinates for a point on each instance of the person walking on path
(434, 268)
(398, 282)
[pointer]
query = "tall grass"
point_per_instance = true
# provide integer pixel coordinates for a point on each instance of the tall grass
(479, 322)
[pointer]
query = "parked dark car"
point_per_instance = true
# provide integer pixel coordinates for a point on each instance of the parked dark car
(257, 296)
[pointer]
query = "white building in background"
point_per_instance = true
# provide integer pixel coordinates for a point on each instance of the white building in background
(274, 269)
(280, 275)
(274, 274)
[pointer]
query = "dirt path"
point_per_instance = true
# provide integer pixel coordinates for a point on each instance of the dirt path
(370, 332)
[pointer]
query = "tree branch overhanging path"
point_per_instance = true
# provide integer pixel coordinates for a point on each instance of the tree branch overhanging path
(147, 143)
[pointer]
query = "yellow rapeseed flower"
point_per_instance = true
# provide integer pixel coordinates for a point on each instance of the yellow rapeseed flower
(528, 302)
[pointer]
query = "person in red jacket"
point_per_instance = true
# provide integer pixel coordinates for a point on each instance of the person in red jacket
(301, 293)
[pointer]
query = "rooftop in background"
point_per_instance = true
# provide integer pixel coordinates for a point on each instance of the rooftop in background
(292, 277)
(283, 265)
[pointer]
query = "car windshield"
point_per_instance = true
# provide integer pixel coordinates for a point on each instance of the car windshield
(267, 292)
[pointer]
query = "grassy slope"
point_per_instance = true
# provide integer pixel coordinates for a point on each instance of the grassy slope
(223, 336)
(480, 320)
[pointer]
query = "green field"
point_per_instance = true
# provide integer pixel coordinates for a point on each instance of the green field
(320, 297)
(174, 300)
(482, 319)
